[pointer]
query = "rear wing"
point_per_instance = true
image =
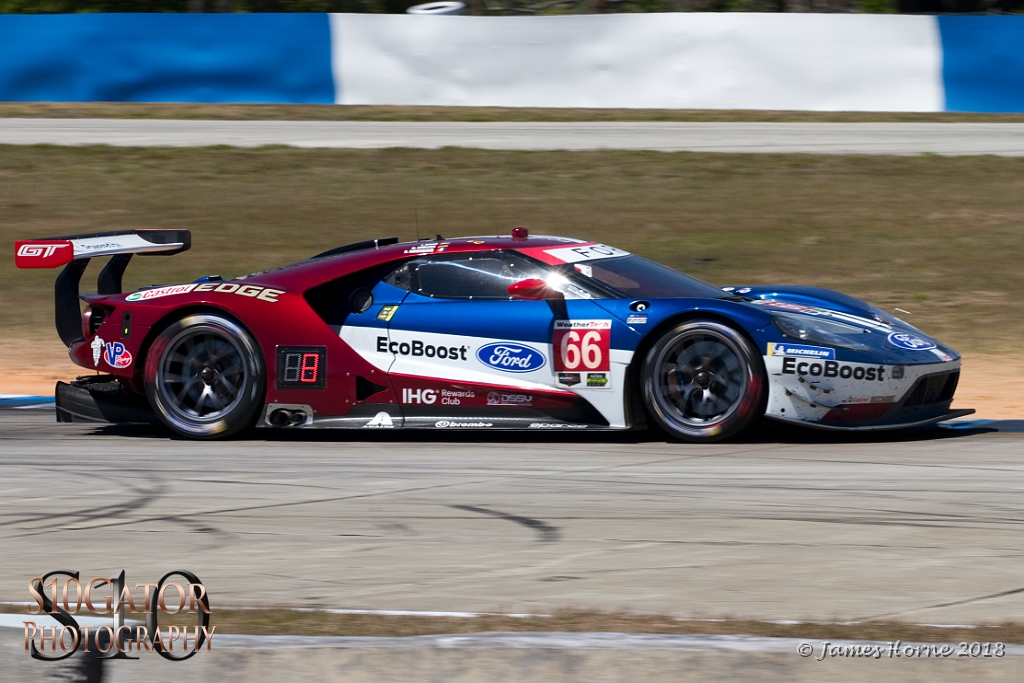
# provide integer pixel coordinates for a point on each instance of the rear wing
(74, 253)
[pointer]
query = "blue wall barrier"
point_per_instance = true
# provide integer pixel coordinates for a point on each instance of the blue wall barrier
(166, 58)
(983, 63)
(673, 60)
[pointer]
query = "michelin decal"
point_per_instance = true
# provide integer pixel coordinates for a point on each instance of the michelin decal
(786, 349)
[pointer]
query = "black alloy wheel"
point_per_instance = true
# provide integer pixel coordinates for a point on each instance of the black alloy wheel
(205, 377)
(704, 381)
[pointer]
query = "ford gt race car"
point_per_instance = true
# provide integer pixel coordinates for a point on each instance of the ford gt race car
(508, 332)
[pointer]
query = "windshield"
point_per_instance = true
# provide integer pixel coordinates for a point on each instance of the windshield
(636, 277)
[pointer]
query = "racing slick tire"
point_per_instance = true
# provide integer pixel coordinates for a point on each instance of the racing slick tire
(205, 377)
(704, 381)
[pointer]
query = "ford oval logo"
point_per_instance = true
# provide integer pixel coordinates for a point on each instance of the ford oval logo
(911, 342)
(511, 357)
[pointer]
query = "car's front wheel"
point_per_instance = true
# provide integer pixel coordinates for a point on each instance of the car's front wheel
(704, 381)
(205, 377)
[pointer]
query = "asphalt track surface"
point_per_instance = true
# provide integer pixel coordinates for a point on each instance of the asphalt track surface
(1004, 139)
(924, 526)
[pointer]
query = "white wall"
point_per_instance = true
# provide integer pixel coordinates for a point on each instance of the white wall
(680, 60)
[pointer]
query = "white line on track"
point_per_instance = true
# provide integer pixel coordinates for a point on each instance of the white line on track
(1004, 139)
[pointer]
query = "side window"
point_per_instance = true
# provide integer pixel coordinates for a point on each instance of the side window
(401, 277)
(479, 275)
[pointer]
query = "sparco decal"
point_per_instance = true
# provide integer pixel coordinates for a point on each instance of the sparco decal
(418, 348)
(555, 425)
(511, 357)
(831, 368)
(911, 342)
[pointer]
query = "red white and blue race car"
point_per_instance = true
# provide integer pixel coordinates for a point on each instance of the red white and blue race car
(509, 332)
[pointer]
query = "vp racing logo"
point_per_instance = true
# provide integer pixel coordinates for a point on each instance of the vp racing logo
(116, 355)
(511, 357)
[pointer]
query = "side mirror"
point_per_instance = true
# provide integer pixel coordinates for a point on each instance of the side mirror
(360, 300)
(533, 289)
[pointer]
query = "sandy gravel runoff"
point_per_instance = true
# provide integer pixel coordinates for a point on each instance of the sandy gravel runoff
(991, 384)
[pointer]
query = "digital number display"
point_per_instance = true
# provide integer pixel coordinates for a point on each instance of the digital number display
(301, 367)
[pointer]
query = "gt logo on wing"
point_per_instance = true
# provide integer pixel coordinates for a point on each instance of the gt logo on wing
(36, 254)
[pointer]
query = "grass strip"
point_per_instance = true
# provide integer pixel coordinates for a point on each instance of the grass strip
(942, 237)
(267, 622)
(330, 112)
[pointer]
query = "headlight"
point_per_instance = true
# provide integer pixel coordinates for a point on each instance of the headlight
(819, 332)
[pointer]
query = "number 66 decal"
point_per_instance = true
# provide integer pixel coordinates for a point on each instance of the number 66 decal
(582, 345)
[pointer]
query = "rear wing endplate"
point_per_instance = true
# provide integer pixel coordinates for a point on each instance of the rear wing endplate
(58, 251)
(74, 253)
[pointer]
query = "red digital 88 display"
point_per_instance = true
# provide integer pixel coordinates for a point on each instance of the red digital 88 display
(301, 367)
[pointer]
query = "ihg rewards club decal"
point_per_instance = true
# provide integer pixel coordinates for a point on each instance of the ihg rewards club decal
(118, 640)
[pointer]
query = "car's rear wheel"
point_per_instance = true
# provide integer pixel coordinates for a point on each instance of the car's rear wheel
(704, 381)
(205, 377)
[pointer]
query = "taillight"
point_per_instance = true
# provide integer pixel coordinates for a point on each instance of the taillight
(92, 318)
